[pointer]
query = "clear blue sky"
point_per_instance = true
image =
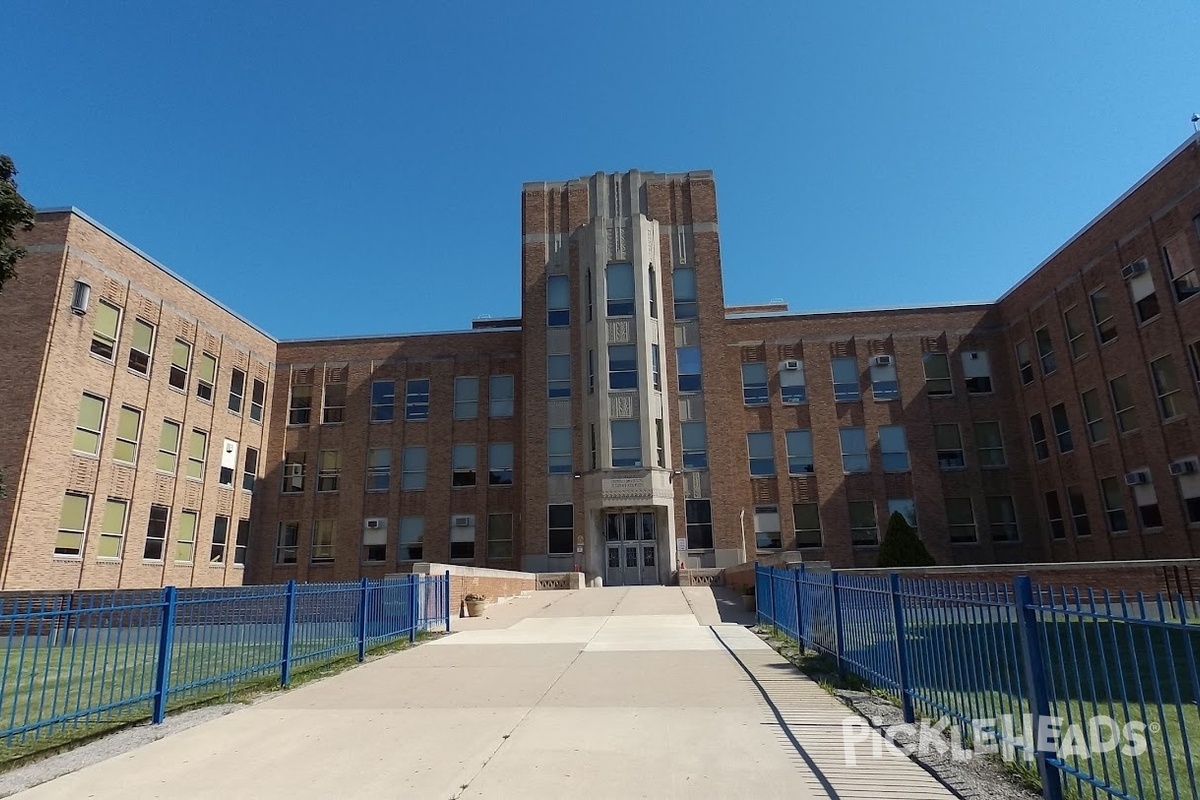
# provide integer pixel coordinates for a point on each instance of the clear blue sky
(326, 171)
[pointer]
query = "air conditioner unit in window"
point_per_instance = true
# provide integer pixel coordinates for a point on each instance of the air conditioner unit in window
(1136, 268)
(881, 361)
(791, 364)
(80, 297)
(1137, 478)
(374, 522)
(463, 521)
(1185, 467)
(973, 355)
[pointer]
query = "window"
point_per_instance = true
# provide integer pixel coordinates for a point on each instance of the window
(622, 366)
(1079, 514)
(1189, 490)
(287, 542)
(1058, 529)
(333, 410)
(655, 369)
(329, 470)
(293, 472)
(1102, 315)
(220, 538)
(767, 534)
(1002, 518)
(185, 537)
(799, 452)
(383, 401)
(141, 346)
(1075, 324)
(590, 295)
(257, 399)
(500, 536)
(321, 551)
(228, 451)
(156, 533)
(793, 388)
(947, 438)
(906, 508)
(1045, 348)
(558, 301)
(379, 469)
(1146, 500)
(112, 529)
(300, 405)
(462, 537)
(560, 526)
(754, 384)
(129, 428)
(990, 444)
(416, 399)
(620, 290)
(1114, 505)
(683, 282)
(181, 362)
(806, 519)
(653, 284)
(1037, 431)
(168, 447)
(500, 464)
(854, 449)
(937, 375)
(864, 530)
(1024, 365)
(412, 539)
(694, 437)
(374, 540)
(698, 520)
(1062, 428)
(1122, 397)
(463, 465)
(243, 539)
(412, 466)
(1093, 416)
(197, 452)
(1170, 399)
(206, 380)
(558, 447)
(500, 396)
(237, 390)
(104, 335)
(845, 379)
(689, 369)
(762, 453)
(558, 376)
(250, 469)
(893, 448)
(977, 372)
(1180, 265)
(591, 371)
(466, 397)
(960, 520)
(1194, 358)
(626, 443)
(660, 442)
(89, 426)
(592, 435)
(72, 524)
(884, 385)
(1141, 291)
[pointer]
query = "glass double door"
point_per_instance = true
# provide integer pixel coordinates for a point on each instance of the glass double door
(631, 539)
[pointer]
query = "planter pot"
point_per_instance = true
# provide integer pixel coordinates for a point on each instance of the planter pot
(475, 608)
(748, 602)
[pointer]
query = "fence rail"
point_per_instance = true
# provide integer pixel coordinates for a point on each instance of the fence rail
(1100, 692)
(76, 664)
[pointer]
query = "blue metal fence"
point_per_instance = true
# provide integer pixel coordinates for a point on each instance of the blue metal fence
(1099, 692)
(75, 664)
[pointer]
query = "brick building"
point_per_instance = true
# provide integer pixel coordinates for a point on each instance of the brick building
(626, 422)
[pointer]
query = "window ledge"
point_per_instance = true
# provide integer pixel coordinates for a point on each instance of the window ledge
(90, 456)
(233, 413)
(157, 561)
(1146, 322)
(177, 390)
(108, 560)
(200, 399)
(112, 362)
(216, 565)
(1175, 418)
(61, 557)
(981, 394)
(329, 424)
(1155, 529)
(143, 375)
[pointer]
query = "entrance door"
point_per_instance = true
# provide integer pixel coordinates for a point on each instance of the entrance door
(632, 542)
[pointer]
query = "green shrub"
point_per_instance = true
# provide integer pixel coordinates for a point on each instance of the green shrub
(901, 547)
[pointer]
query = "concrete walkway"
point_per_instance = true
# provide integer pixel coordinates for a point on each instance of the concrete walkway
(603, 693)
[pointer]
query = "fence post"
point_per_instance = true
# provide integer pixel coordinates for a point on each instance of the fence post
(906, 702)
(837, 625)
(364, 590)
(162, 670)
(289, 623)
(414, 581)
(774, 615)
(1035, 681)
(797, 574)
(447, 601)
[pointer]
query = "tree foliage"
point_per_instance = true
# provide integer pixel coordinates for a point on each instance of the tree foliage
(901, 547)
(15, 214)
